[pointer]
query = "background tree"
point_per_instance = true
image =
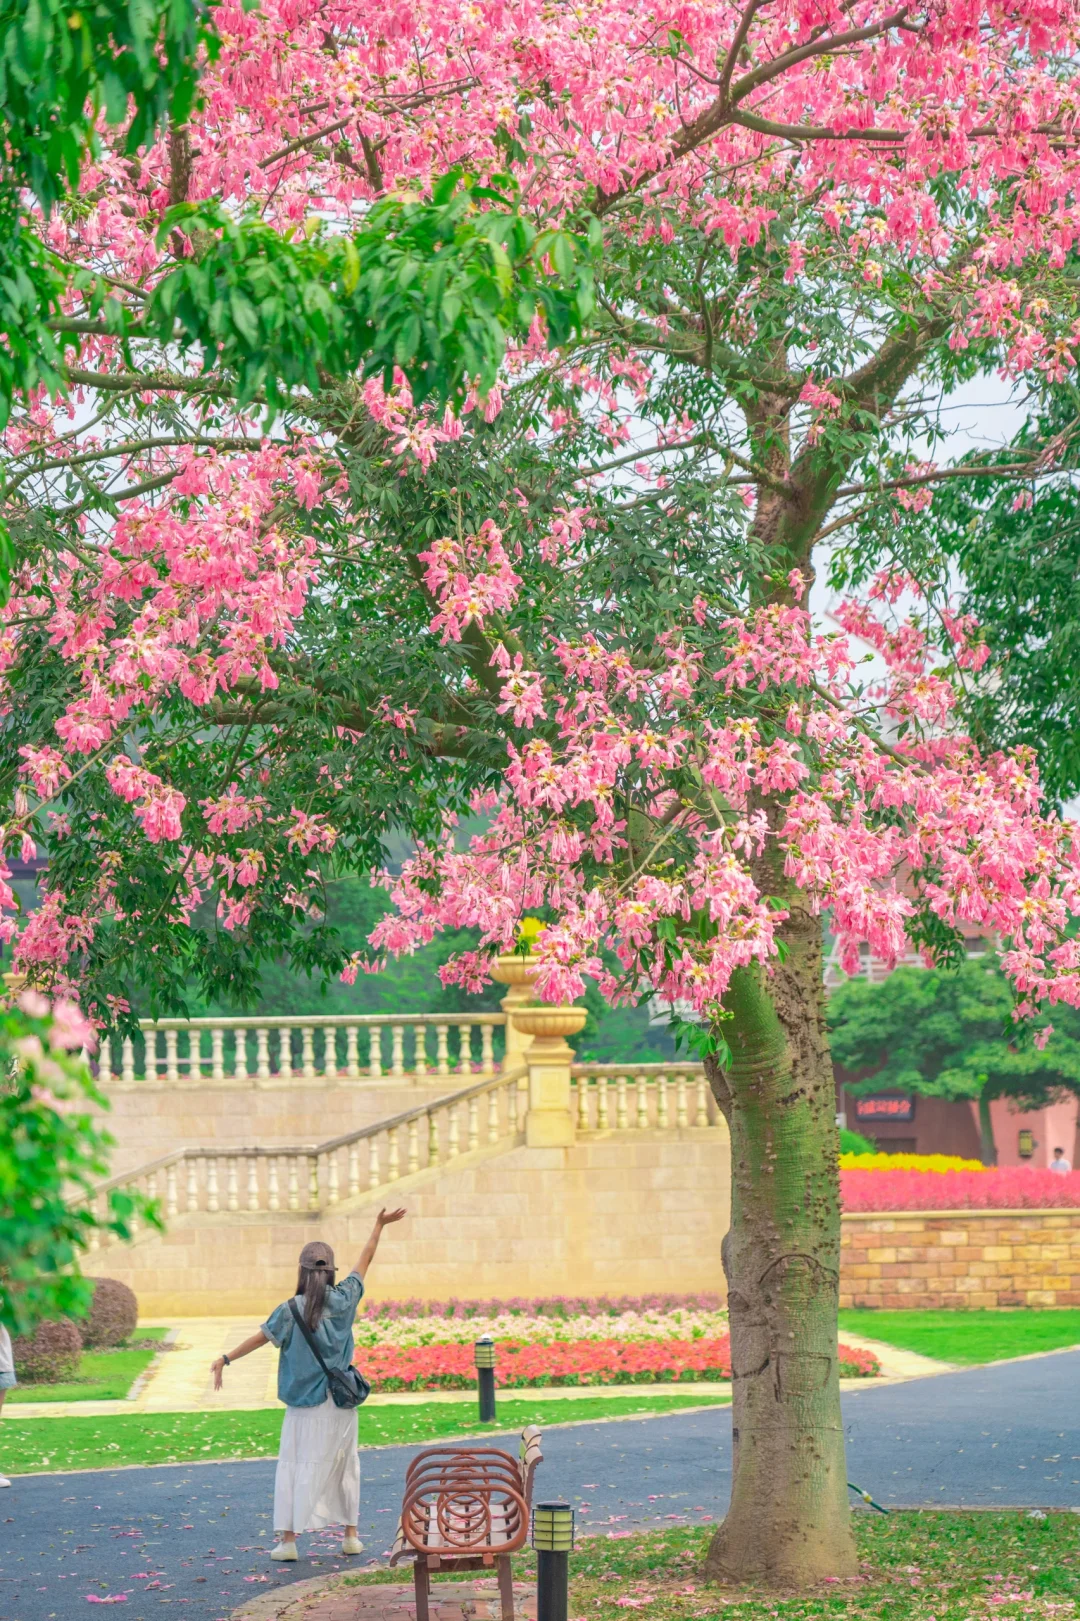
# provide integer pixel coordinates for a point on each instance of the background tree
(269, 619)
(950, 1033)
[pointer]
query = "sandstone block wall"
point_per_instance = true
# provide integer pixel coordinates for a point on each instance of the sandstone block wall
(639, 1213)
(968, 1258)
(149, 1120)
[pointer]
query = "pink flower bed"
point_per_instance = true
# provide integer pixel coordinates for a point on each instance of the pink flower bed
(1008, 1188)
(543, 1306)
(578, 1362)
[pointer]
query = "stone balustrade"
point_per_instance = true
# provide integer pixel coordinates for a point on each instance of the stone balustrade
(281, 1050)
(316, 1177)
(658, 1097)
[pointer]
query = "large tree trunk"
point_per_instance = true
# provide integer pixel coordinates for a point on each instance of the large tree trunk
(789, 1519)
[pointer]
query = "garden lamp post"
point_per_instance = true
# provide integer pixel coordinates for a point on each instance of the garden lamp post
(553, 1539)
(484, 1357)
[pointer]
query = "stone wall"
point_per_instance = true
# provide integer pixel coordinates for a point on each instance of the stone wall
(961, 1258)
(149, 1120)
(633, 1213)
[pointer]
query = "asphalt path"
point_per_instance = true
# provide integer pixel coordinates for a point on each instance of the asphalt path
(196, 1536)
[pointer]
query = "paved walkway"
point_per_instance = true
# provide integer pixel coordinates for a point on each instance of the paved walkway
(1004, 1435)
(180, 1380)
(322, 1601)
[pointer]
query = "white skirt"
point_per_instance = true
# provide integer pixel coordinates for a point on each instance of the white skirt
(318, 1473)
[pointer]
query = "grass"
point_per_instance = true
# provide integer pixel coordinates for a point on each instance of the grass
(103, 1375)
(915, 1566)
(34, 1445)
(968, 1337)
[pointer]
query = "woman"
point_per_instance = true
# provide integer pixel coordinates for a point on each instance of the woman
(7, 1377)
(318, 1472)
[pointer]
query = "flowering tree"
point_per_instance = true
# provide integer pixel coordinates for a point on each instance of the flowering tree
(271, 613)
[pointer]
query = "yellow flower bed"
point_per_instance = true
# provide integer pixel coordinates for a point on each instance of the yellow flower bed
(908, 1162)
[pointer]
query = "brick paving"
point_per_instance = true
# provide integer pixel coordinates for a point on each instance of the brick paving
(320, 1600)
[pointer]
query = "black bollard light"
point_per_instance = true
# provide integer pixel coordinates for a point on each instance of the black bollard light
(553, 1540)
(484, 1356)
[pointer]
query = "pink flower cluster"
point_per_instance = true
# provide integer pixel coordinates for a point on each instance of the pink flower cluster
(583, 1362)
(542, 1306)
(1006, 1188)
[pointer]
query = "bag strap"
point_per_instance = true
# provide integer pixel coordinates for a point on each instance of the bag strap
(306, 1332)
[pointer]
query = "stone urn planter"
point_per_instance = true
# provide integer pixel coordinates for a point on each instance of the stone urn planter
(549, 1026)
(513, 969)
(549, 1122)
(516, 972)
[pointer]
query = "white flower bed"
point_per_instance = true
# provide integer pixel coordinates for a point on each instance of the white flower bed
(648, 1325)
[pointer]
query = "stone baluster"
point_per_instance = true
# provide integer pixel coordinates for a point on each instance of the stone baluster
(465, 1048)
(680, 1102)
(662, 1102)
(433, 1138)
(601, 1103)
(307, 1037)
(253, 1182)
(211, 1183)
(127, 1059)
(420, 1064)
(493, 1115)
(93, 1237)
(294, 1182)
(172, 1072)
(354, 1169)
(642, 1089)
(702, 1104)
(133, 1221)
(217, 1055)
(332, 1177)
(329, 1067)
(375, 1051)
(393, 1155)
(442, 1062)
(192, 1181)
(474, 1123)
(273, 1192)
(374, 1177)
(171, 1205)
(582, 1084)
(397, 1049)
(284, 1063)
(352, 1060)
(262, 1052)
(244, 1071)
(487, 1050)
(453, 1144)
(414, 1146)
(522, 1101)
(313, 1182)
(622, 1119)
(105, 1061)
(232, 1186)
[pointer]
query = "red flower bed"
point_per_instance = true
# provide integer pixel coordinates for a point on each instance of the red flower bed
(567, 1362)
(1009, 1188)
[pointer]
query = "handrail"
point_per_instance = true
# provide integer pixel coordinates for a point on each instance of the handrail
(487, 1085)
(321, 1021)
(675, 1066)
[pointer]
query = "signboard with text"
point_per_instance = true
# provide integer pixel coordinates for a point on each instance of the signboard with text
(885, 1106)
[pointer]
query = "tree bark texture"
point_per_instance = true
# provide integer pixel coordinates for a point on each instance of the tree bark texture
(789, 1519)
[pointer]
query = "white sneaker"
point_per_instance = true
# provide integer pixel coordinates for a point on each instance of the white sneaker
(4, 1481)
(351, 1545)
(284, 1550)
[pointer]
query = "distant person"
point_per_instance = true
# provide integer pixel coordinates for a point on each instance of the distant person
(7, 1377)
(318, 1473)
(1059, 1163)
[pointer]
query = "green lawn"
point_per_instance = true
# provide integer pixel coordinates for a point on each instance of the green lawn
(914, 1566)
(103, 1376)
(968, 1336)
(33, 1445)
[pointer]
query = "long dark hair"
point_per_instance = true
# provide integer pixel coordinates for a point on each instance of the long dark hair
(312, 1282)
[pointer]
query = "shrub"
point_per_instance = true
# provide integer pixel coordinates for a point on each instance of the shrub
(51, 1355)
(114, 1311)
(853, 1142)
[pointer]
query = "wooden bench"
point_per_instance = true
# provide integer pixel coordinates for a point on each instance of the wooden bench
(464, 1508)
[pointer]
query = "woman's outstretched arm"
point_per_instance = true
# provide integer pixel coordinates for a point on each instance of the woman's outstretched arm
(367, 1254)
(252, 1343)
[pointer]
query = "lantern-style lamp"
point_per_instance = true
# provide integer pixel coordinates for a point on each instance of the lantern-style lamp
(484, 1357)
(553, 1540)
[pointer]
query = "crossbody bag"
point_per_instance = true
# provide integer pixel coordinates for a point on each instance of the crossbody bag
(347, 1385)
